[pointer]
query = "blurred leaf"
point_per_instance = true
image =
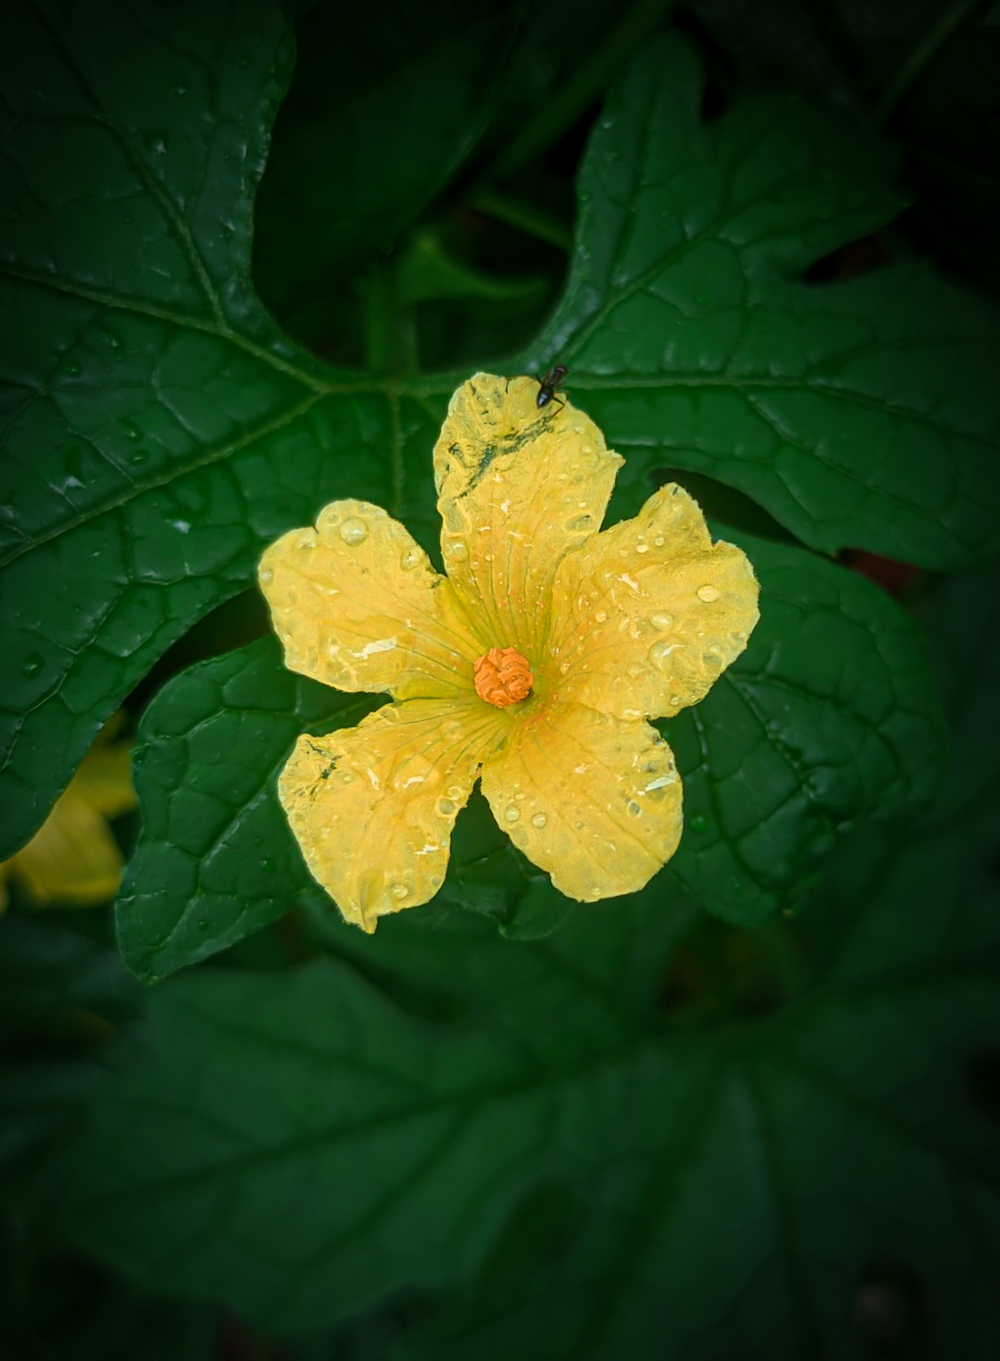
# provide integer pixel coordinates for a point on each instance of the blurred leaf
(425, 270)
(829, 718)
(61, 999)
(380, 115)
(860, 414)
(738, 1187)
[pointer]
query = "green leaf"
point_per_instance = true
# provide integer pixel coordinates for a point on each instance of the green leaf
(860, 414)
(830, 718)
(160, 430)
(216, 859)
(733, 1185)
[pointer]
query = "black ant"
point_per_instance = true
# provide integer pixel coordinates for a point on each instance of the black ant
(547, 385)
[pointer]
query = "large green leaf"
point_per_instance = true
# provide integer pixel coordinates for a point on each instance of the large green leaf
(829, 718)
(859, 414)
(380, 115)
(160, 430)
(302, 1145)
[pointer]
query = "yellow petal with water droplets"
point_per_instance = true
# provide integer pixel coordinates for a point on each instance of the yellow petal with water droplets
(373, 807)
(648, 614)
(358, 605)
(518, 487)
(592, 799)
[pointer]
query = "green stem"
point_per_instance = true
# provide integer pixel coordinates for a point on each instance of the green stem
(919, 55)
(582, 88)
(525, 217)
(390, 328)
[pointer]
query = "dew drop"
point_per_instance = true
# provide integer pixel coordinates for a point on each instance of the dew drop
(711, 659)
(139, 456)
(578, 826)
(699, 822)
(675, 701)
(633, 809)
(457, 550)
(642, 548)
(399, 891)
(267, 576)
(601, 616)
(347, 778)
(512, 814)
(203, 925)
(445, 808)
(708, 594)
(354, 531)
(539, 820)
(661, 620)
(410, 559)
(72, 367)
(267, 866)
(659, 540)
(33, 665)
(563, 668)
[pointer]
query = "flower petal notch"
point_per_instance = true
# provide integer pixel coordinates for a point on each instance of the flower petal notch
(532, 665)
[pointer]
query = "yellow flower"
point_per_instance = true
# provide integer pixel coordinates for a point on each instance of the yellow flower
(532, 665)
(73, 858)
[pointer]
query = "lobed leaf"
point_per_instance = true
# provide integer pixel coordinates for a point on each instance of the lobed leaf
(861, 413)
(726, 1189)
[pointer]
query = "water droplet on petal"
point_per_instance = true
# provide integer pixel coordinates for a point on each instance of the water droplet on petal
(399, 890)
(661, 620)
(578, 826)
(601, 615)
(354, 531)
(633, 808)
(675, 701)
(410, 558)
(539, 820)
(445, 807)
(512, 814)
(708, 594)
(699, 822)
(457, 550)
(33, 665)
(267, 575)
(660, 652)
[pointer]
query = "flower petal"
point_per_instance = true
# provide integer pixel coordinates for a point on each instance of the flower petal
(649, 613)
(373, 807)
(358, 605)
(592, 799)
(518, 487)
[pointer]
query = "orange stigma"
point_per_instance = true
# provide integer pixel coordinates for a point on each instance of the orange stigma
(502, 677)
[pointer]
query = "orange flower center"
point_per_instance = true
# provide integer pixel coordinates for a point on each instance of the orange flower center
(502, 677)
